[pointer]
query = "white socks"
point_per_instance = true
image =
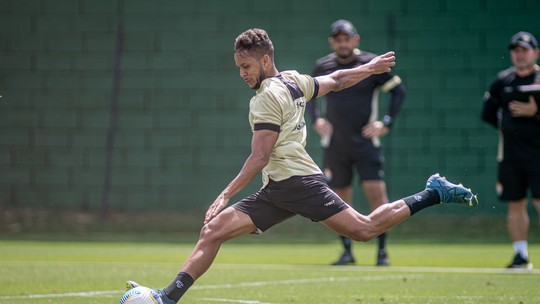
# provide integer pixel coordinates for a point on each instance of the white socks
(521, 248)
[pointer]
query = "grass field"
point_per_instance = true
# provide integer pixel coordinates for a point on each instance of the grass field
(37, 272)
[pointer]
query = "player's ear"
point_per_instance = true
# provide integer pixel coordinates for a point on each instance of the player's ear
(266, 60)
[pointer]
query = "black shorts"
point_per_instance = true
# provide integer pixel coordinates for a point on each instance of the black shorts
(367, 161)
(308, 196)
(515, 178)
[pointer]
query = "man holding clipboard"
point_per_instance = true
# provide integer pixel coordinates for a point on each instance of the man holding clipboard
(512, 106)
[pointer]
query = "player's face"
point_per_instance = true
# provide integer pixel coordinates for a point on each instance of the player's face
(343, 45)
(524, 58)
(251, 70)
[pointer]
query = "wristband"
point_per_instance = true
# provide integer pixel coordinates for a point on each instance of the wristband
(387, 121)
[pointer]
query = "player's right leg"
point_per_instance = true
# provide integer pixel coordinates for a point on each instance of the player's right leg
(229, 224)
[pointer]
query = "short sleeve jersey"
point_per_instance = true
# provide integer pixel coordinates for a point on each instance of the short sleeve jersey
(279, 105)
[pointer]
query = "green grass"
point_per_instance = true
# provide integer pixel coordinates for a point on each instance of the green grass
(36, 272)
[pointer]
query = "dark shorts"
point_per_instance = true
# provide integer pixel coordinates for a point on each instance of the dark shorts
(516, 178)
(308, 196)
(367, 162)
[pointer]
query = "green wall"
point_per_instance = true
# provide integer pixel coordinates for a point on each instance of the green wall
(178, 110)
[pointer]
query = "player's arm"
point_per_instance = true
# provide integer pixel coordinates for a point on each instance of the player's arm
(397, 97)
(312, 107)
(312, 110)
(491, 106)
(342, 79)
(381, 128)
(262, 144)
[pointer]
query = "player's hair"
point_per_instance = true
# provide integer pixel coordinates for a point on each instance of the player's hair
(254, 42)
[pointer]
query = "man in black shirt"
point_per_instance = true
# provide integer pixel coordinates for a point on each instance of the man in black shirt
(511, 105)
(351, 130)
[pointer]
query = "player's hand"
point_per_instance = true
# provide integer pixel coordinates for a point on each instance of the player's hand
(374, 129)
(382, 63)
(215, 208)
(523, 109)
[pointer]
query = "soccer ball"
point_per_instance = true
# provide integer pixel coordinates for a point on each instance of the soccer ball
(141, 295)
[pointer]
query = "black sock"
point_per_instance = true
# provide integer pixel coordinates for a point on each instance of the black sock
(421, 200)
(178, 286)
(346, 243)
(382, 240)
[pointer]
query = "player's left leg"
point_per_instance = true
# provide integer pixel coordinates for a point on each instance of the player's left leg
(363, 228)
(229, 224)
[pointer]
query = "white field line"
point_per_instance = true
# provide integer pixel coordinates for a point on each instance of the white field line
(295, 281)
(415, 269)
(63, 295)
(232, 301)
(298, 281)
(205, 287)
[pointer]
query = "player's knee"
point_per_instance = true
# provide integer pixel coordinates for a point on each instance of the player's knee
(362, 235)
(211, 233)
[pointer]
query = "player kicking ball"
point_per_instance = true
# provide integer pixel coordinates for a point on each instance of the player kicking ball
(292, 182)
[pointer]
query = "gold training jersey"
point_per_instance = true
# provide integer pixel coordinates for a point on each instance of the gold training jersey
(280, 103)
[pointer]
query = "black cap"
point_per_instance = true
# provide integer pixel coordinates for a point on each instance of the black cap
(342, 26)
(523, 39)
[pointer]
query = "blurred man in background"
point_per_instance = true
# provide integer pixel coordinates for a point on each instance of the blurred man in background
(515, 114)
(350, 131)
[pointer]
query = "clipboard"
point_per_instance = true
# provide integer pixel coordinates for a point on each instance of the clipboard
(523, 92)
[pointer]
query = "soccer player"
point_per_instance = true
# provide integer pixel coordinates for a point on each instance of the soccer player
(292, 182)
(518, 122)
(351, 130)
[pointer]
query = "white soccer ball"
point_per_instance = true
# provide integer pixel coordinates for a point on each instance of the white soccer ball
(141, 295)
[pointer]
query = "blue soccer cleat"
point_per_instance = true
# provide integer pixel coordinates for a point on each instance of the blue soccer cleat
(164, 299)
(131, 285)
(451, 193)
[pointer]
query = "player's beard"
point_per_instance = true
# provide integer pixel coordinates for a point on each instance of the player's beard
(262, 76)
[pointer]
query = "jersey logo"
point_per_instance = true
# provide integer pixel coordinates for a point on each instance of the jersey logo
(300, 126)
